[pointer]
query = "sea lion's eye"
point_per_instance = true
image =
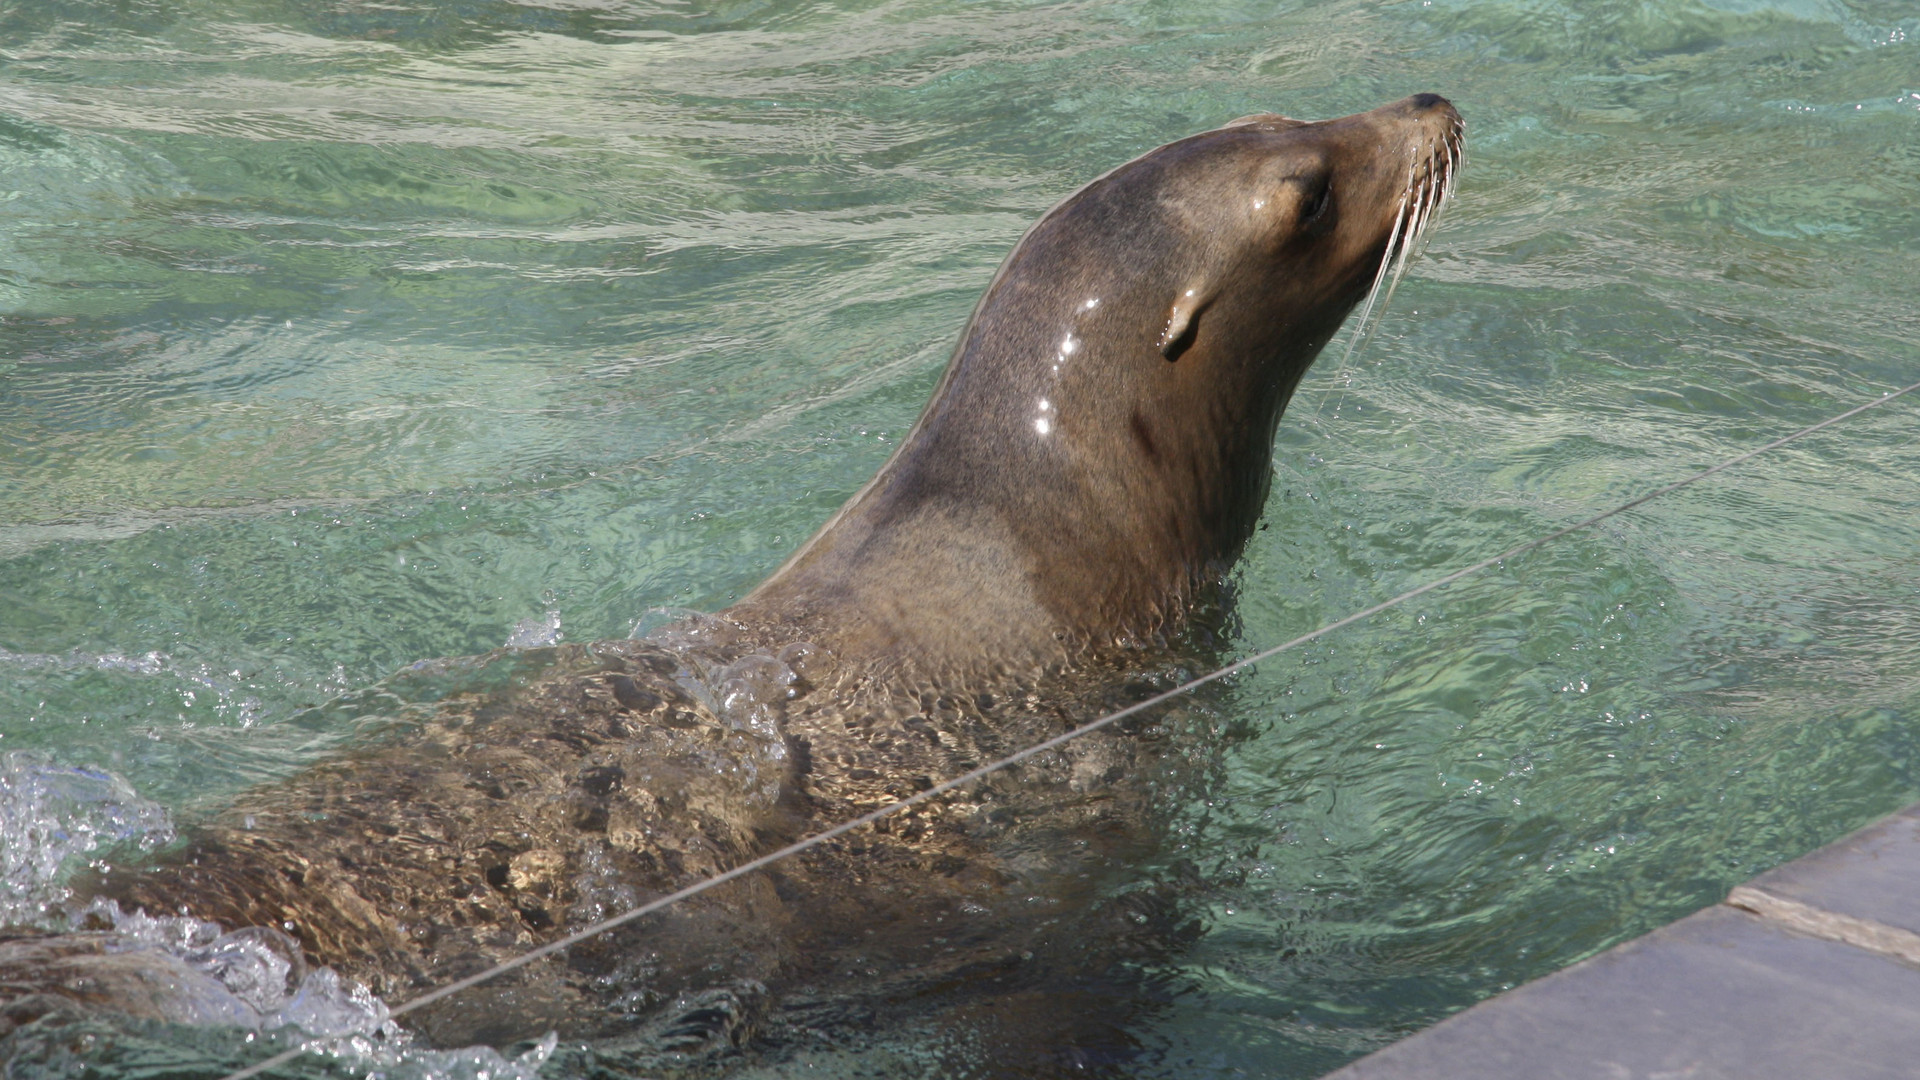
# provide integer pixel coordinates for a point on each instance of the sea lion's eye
(1316, 204)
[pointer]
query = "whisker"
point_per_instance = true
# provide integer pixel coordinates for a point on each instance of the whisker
(1413, 223)
(1436, 188)
(1421, 209)
(1360, 329)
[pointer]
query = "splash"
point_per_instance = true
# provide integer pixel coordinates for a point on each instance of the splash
(227, 687)
(255, 977)
(536, 633)
(52, 813)
(748, 692)
(148, 663)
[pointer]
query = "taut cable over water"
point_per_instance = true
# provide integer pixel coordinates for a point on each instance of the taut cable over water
(1108, 720)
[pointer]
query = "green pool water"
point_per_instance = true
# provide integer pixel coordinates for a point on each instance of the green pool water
(335, 335)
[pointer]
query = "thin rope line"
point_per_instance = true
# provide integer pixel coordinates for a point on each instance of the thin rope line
(964, 779)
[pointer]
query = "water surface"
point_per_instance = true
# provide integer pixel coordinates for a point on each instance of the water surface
(334, 336)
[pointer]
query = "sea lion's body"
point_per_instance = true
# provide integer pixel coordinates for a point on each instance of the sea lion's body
(1096, 453)
(563, 785)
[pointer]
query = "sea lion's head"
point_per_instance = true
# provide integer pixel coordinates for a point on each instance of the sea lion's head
(1100, 442)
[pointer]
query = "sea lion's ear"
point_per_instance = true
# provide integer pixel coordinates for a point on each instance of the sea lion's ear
(1183, 321)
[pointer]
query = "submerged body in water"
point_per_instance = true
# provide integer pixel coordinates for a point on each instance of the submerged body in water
(1089, 467)
(559, 786)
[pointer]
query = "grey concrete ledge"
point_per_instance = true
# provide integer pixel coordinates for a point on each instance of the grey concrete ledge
(1809, 971)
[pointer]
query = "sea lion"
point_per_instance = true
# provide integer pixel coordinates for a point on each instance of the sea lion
(1095, 455)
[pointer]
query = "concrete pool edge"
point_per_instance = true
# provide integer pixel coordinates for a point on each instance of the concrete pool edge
(1811, 969)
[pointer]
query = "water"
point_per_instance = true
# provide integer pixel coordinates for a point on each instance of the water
(337, 336)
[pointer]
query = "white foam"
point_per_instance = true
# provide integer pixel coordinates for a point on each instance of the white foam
(149, 663)
(254, 977)
(51, 813)
(536, 633)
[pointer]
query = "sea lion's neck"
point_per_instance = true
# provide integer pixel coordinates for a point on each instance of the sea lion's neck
(1101, 442)
(1036, 510)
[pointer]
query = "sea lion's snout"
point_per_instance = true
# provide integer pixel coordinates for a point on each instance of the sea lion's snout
(1397, 165)
(1436, 123)
(1437, 116)
(1427, 109)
